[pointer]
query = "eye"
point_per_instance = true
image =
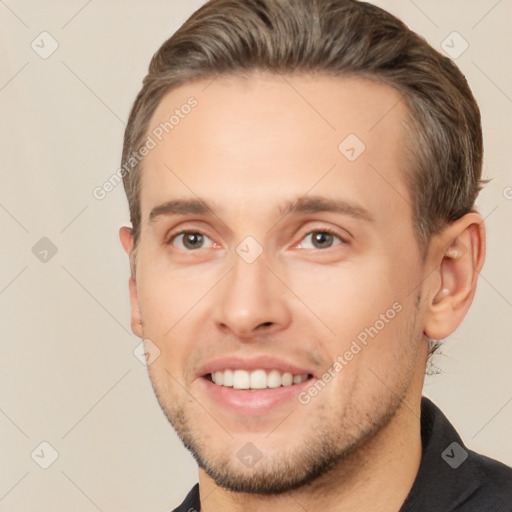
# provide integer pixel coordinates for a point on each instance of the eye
(190, 240)
(321, 239)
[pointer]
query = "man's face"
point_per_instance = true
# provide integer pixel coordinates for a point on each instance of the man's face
(254, 291)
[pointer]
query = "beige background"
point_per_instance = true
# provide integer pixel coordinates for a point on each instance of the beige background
(69, 375)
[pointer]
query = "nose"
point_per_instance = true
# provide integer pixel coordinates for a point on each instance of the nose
(251, 300)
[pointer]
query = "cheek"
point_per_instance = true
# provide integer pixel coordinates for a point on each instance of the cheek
(169, 302)
(346, 298)
(165, 294)
(376, 361)
(158, 306)
(365, 308)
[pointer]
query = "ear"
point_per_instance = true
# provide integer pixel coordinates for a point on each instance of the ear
(458, 255)
(125, 235)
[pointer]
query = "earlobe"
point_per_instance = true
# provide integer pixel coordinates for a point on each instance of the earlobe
(136, 318)
(459, 254)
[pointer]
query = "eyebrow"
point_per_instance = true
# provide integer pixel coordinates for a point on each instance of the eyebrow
(181, 207)
(305, 204)
(316, 204)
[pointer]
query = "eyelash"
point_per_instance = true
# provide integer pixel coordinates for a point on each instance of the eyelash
(343, 240)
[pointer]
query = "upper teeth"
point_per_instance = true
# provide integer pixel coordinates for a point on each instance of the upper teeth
(257, 379)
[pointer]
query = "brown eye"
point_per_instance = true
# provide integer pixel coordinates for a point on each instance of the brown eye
(321, 240)
(190, 240)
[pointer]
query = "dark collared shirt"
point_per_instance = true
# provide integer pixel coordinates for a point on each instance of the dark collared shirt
(451, 478)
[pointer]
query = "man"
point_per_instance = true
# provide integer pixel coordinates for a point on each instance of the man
(301, 176)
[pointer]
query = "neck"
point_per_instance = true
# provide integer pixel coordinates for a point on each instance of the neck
(379, 475)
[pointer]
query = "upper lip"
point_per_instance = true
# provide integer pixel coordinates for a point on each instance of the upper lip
(252, 363)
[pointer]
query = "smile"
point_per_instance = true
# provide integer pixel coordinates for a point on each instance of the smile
(256, 379)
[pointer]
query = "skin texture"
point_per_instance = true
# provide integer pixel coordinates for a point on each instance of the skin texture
(249, 146)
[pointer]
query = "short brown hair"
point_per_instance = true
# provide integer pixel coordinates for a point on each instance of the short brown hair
(338, 38)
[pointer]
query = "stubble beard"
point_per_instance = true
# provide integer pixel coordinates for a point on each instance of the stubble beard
(329, 444)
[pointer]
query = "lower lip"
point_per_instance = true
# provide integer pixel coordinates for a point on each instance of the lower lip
(252, 402)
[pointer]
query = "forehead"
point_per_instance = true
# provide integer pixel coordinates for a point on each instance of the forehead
(274, 136)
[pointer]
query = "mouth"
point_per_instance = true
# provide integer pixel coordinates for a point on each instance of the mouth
(256, 379)
(253, 386)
